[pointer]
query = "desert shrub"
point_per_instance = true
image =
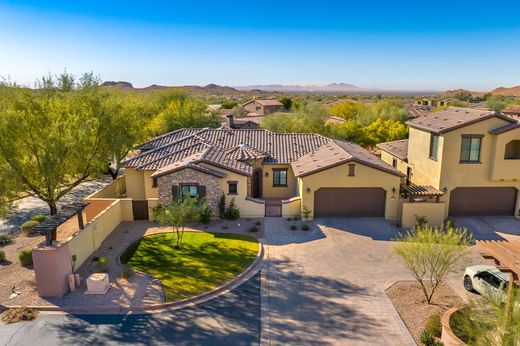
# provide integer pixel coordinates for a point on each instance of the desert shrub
(102, 264)
(5, 239)
(421, 220)
(232, 211)
(222, 206)
(433, 325)
(127, 271)
(27, 227)
(427, 339)
(18, 315)
(2, 256)
(293, 228)
(39, 218)
(305, 227)
(306, 212)
(25, 257)
(253, 229)
(205, 213)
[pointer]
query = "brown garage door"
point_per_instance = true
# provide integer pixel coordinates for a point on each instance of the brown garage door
(482, 201)
(349, 202)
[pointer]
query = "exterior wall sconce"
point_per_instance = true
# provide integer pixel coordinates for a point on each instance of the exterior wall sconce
(445, 189)
(394, 190)
(308, 190)
(266, 174)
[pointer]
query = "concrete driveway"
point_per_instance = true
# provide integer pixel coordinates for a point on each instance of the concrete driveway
(491, 227)
(327, 286)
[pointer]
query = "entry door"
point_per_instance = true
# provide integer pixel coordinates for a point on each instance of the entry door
(140, 209)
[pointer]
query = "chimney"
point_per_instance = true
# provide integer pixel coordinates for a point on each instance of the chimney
(230, 120)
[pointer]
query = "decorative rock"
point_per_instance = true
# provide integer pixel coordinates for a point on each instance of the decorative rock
(97, 283)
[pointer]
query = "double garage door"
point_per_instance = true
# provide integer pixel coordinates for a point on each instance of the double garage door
(349, 202)
(483, 201)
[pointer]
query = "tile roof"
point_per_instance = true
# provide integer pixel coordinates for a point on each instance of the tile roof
(230, 150)
(335, 153)
(505, 128)
(270, 102)
(167, 138)
(398, 148)
(453, 118)
(513, 110)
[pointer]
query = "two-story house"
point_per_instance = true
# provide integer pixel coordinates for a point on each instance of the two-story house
(471, 156)
(263, 107)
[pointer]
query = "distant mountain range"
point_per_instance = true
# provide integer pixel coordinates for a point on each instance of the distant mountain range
(328, 88)
(210, 89)
(501, 91)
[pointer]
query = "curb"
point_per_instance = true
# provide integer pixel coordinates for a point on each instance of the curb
(238, 280)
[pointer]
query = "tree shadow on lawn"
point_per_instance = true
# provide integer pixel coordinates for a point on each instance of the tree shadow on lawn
(231, 319)
(310, 309)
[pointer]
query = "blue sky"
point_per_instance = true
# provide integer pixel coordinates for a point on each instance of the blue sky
(386, 44)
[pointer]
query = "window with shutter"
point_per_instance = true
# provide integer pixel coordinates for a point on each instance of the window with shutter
(175, 192)
(202, 191)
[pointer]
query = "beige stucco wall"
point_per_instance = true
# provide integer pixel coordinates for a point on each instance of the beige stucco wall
(434, 213)
(270, 191)
(425, 171)
(291, 207)
(52, 266)
(388, 158)
(365, 177)
(115, 189)
(149, 190)
(135, 187)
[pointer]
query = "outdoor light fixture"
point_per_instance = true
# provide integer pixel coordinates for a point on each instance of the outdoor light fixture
(445, 189)
(392, 198)
(266, 174)
(393, 190)
(308, 190)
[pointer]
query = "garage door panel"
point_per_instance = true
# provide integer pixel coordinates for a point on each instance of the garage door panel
(482, 201)
(349, 202)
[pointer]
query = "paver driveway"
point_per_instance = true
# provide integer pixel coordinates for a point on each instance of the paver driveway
(327, 286)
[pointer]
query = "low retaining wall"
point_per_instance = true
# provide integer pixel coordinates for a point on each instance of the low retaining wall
(434, 213)
(291, 207)
(448, 338)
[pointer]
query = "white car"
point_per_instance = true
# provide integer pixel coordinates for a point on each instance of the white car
(485, 279)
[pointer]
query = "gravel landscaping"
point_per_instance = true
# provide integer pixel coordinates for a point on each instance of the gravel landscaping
(409, 301)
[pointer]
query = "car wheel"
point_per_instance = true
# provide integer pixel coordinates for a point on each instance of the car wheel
(468, 284)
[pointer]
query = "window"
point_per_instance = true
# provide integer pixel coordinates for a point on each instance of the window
(154, 182)
(512, 150)
(258, 108)
(351, 170)
(232, 188)
(394, 163)
(189, 190)
(279, 177)
(470, 148)
(434, 146)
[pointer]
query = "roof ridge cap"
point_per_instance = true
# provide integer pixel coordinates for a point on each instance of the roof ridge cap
(161, 157)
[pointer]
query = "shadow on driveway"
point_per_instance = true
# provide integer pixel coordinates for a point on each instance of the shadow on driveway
(376, 228)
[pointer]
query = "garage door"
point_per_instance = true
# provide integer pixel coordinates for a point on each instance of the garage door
(349, 202)
(483, 201)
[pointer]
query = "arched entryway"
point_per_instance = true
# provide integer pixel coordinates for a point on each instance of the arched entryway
(256, 184)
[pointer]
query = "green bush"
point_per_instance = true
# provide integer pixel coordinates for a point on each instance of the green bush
(39, 218)
(222, 207)
(102, 264)
(293, 228)
(253, 229)
(232, 211)
(205, 214)
(427, 339)
(27, 227)
(305, 227)
(25, 257)
(2, 256)
(5, 239)
(433, 325)
(127, 271)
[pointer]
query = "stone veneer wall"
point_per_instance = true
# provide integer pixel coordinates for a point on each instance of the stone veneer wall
(190, 176)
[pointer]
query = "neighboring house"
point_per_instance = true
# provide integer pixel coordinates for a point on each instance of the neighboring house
(248, 123)
(263, 107)
(512, 111)
(432, 103)
(267, 173)
(469, 159)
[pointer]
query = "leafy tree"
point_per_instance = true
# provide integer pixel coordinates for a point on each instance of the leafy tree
(306, 119)
(178, 214)
(286, 101)
(351, 131)
(239, 111)
(496, 103)
(228, 104)
(385, 130)
(431, 253)
(463, 96)
(54, 138)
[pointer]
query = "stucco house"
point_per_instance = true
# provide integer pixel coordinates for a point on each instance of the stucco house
(470, 157)
(263, 107)
(267, 173)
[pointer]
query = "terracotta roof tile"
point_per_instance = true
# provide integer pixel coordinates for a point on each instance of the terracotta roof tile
(453, 118)
(505, 128)
(398, 148)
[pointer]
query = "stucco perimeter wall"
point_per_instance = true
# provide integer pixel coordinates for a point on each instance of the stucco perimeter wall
(434, 213)
(291, 207)
(135, 187)
(364, 177)
(115, 189)
(388, 158)
(86, 241)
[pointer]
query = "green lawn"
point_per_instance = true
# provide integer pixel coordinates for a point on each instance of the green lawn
(204, 261)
